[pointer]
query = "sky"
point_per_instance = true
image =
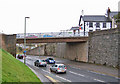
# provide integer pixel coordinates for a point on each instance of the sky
(48, 15)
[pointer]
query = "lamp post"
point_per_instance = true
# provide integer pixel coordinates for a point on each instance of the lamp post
(25, 40)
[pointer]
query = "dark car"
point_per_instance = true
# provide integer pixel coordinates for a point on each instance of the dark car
(50, 60)
(20, 56)
(40, 63)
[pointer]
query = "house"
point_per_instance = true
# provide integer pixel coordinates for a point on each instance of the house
(96, 22)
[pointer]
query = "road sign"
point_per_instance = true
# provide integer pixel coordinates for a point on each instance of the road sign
(24, 52)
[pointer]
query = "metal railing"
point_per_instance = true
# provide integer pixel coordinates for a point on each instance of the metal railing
(52, 34)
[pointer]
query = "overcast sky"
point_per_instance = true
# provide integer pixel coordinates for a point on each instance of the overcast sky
(48, 15)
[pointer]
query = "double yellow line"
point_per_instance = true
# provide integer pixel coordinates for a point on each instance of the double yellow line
(53, 80)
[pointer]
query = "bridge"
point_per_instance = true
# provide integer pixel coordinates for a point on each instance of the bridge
(52, 37)
(52, 40)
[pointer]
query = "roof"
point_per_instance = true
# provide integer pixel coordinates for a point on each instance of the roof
(74, 28)
(95, 18)
(59, 64)
(113, 13)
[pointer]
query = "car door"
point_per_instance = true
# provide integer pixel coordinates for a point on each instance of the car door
(46, 60)
(53, 67)
(56, 66)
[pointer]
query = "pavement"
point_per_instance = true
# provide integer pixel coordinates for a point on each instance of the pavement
(105, 70)
(102, 69)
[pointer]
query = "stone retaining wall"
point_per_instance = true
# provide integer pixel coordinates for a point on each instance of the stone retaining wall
(103, 47)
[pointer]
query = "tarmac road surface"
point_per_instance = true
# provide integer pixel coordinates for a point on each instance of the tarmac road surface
(73, 74)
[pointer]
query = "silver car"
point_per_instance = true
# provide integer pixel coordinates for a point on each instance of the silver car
(58, 68)
(40, 63)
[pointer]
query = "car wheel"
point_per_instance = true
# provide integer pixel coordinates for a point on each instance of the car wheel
(65, 72)
(56, 72)
(45, 65)
(51, 70)
(35, 64)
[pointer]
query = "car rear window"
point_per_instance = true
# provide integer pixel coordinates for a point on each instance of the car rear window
(42, 60)
(61, 66)
(50, 58)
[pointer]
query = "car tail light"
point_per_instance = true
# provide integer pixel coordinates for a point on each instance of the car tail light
(65, 68)
(40, 62)
(58, 68)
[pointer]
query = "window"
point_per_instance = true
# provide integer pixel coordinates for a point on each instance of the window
(62, 66)
(90, 30)
(98, 24)
(104, 25)
(50, 58)
(90, 24)
(37, 61)
(42, 60)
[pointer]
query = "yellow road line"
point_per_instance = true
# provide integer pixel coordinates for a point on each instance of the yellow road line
(53, 80)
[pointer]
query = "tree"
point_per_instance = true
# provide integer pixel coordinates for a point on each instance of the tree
(117, 18)
(20, 49)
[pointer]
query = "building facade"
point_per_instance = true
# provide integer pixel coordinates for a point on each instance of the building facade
(96, 22)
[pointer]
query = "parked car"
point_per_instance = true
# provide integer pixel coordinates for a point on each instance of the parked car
(58, 68)
(40, 63)
(20, 56)
(50, 60)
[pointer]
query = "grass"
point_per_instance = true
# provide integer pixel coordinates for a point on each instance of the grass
(16, 71)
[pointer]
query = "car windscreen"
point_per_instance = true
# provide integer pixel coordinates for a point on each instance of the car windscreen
(50, 58)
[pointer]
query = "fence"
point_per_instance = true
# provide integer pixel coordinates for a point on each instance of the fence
(52, 34)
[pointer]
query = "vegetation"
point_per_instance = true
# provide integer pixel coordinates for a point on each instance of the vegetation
(19, 50)
(15, 71)
(117, 17)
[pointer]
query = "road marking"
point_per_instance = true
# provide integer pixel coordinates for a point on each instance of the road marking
(45, 71)
(76, 74)
(53, 80)
(99, 80)
(63, 78)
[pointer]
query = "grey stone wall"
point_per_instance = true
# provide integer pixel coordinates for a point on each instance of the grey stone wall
(50, 49)
(72, 51)
(103, 47)
(37, 51)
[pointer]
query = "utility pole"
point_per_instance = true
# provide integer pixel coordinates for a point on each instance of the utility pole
(25, 40)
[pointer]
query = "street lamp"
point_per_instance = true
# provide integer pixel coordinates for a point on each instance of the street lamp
(25, 40)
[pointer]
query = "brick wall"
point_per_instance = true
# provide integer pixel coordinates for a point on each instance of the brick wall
(8, 43)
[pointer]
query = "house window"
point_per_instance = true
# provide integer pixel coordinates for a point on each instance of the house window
(90, 24)
(98, 24)
(104, 25)
(90, 30)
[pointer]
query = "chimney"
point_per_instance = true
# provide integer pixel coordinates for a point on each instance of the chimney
(82, 12)
(108, 13)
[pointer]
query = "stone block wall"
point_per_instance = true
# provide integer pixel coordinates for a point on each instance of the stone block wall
(50, 49)
(103, 47)
(37, 51)
(72, 51)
